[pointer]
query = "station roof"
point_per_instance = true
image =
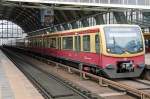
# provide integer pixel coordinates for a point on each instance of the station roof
(27, 19)
(134, 4)
(26, 13)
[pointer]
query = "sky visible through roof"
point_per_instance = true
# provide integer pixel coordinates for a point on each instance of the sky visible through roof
(9, 31)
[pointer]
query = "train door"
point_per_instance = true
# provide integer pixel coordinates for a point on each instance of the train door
(43, 45)
(59, 46)
(77, 47)
(59, 43)
(98, 47)
(46, 45)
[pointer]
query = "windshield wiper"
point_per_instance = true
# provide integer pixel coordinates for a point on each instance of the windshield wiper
(117, 47)
(131, 46)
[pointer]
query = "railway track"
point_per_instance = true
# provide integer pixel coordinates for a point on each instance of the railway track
(50, 86)
(123, 85)
(142, 85)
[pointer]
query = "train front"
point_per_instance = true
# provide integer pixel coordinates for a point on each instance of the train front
(123, 51)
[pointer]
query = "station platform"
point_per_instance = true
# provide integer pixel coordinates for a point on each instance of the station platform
(13, 83)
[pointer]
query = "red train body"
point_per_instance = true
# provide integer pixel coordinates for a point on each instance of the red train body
(92, 47)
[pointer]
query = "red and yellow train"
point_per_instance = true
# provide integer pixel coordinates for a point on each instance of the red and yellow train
(116, 51)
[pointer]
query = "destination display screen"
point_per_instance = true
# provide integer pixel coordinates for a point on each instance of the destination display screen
(123, 39)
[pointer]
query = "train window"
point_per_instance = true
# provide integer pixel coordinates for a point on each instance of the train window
(77, 43)
(86, 43)
(97, 43)
(53, 43)
(36, 42)
(59, 43)
(46, 43)
(68, 43)
(43, 42)
(33, 42)
(39, 43)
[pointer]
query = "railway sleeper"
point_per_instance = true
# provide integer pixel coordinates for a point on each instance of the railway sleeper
(143, 96)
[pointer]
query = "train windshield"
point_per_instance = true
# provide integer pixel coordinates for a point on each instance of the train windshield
(120, 40)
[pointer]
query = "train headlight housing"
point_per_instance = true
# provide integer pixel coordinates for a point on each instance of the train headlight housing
(141, 65)
(141, 49)
(108, 50)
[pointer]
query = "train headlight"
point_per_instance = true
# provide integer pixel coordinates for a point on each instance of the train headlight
(141, 65)
(141, 49)
(108, 50)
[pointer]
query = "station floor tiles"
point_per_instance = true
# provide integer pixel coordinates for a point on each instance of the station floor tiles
(13, 83)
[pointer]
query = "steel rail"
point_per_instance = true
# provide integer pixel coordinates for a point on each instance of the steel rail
(101, 80)
(42, 90)
(85, 94)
